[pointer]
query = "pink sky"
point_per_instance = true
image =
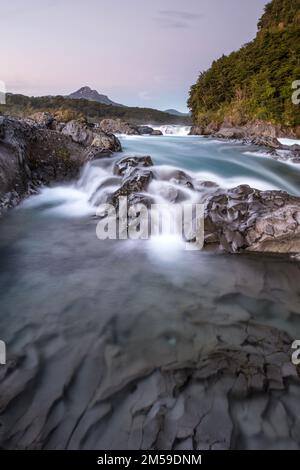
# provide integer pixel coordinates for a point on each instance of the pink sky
(137, 52)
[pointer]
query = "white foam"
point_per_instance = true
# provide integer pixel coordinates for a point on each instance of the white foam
(166, 246)
(66, 201)
(231, 182)
(289, 142)
(257, 154)
(173, 130)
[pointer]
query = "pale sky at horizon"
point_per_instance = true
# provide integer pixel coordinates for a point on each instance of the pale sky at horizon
(138, 53)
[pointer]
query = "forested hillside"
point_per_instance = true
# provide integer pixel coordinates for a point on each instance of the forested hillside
(256, 81)
(66, 108)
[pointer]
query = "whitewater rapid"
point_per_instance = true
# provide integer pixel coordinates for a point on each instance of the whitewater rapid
(226, 164)
(173, 130)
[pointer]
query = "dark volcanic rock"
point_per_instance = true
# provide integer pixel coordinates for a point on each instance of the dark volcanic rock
(256, 132)
(147, 130)
(209, 129)
(230, 133)
(43, 119)
(31, 154)
(287, 154)
(181, 178)
(89, 135)
(137, 181)
(125, 165)
(265, 141)
(207, 386)
(156, 132)
(140, 198)
(117, 126)
(248, 219)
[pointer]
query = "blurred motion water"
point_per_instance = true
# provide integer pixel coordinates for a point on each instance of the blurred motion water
(71, 304)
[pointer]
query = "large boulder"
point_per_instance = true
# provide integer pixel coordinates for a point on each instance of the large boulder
(266, 141)
(156, 132)
(117, 126)
(137, 181)
(248, 219)
(230, 133)
(43, 119)
(176, 176)
(89, 135)
(125, 165)
(147, 130)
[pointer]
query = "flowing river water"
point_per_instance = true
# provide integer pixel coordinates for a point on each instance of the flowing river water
(91, 326)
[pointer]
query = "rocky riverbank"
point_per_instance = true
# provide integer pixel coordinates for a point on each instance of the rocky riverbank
(40, 151)
(259, 133)
(118, 126)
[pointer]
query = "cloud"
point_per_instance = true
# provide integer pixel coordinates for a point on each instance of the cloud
(177, 19)
(144, 95)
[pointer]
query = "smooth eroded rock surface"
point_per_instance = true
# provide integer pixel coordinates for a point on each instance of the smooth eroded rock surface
(248, 219)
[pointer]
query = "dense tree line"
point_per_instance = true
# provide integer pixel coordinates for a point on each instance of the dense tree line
(65, 109)
(256, 81)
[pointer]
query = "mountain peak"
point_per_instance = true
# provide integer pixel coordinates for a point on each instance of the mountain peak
(174, 112)
(86, 93)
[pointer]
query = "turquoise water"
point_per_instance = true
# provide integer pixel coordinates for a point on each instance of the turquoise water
(71, 305)
(224, 162)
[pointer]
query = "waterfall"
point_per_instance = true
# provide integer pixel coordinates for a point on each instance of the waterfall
(173, 130)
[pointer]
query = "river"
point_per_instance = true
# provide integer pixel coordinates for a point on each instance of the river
(86, 322)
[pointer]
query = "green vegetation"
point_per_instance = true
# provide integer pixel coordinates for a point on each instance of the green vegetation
(256, 81)
(66, 109)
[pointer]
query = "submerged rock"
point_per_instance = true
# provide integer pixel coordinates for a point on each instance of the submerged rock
(195, 386)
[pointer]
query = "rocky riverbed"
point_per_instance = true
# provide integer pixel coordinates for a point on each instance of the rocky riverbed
(236, 220)
(120, 345)
(42, 151)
